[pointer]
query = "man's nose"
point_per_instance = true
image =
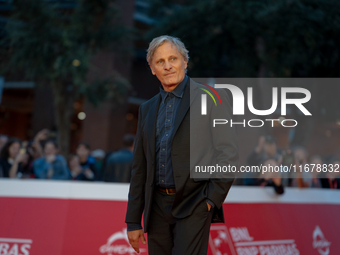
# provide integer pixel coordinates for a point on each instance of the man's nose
(167, 65)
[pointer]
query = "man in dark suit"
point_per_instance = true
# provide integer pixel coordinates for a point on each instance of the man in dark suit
(178, 209)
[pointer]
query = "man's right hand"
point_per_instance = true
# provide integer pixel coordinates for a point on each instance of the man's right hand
(134, 236)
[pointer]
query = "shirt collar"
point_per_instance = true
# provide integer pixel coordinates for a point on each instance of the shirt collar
(178, 91)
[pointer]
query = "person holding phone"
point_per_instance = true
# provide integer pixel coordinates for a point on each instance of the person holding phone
(10, 159)
(51, 165)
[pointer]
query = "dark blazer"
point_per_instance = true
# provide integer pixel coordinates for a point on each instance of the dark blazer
(221, 146)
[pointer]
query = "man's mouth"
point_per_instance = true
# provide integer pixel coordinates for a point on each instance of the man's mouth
(169, 74)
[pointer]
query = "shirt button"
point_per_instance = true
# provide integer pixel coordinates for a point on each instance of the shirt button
(162, 180)
(163, 149)
(168, 120)
(166, 134)
(169, 105)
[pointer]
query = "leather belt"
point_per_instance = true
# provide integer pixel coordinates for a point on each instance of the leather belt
(167, 191)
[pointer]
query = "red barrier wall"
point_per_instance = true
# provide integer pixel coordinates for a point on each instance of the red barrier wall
(61, 218)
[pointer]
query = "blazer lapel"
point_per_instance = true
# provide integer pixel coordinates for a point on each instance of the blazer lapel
(193, 90)
(151, 123)
(189, 95)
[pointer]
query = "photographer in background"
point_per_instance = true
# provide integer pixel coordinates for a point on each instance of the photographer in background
(38, 141)
(87, 163)
(10, 159)
(316, 181)
(3, 141)
(272, 179)
(302, 179)
(265, 149)
(331, 180)
(51, 165)
(27, 162)
(119, 164)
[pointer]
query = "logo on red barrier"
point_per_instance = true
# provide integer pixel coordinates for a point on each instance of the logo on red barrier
(239, 241)
(118, 243)
(15, 246)
(319, 242)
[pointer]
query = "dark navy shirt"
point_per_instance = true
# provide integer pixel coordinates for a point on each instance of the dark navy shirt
(164, 133)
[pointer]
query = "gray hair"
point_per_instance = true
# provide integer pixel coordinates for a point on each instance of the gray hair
(159, 41)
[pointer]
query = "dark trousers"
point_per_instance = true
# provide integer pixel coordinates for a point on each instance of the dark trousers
(170, 236)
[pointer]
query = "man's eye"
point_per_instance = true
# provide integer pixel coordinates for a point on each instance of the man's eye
(173, 58)
(160, 61)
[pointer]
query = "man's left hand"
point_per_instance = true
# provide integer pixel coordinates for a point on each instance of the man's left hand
(209, 206)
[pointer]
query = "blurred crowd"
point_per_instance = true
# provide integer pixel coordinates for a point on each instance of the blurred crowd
(298, 168)
(40, 158)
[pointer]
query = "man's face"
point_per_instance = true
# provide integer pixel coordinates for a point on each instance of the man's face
(168, 65)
